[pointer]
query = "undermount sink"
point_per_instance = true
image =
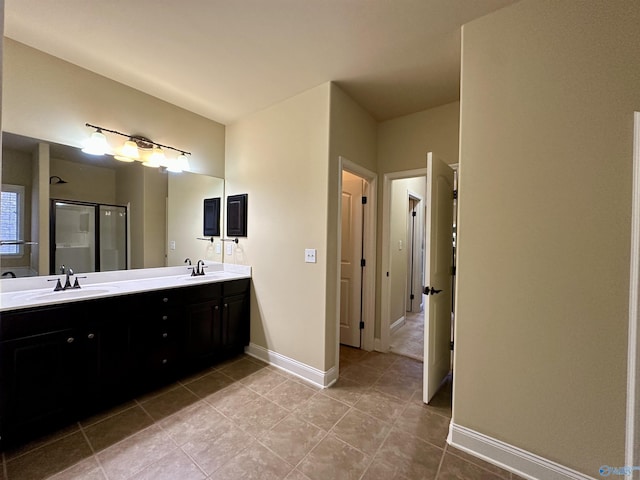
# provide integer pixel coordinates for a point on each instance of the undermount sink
(205, 276)
(65, 294)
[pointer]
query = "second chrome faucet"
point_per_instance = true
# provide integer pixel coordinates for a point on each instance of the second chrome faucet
(199, 268)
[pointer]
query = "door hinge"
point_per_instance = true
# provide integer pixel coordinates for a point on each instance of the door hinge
(453, 270)
(364, 200)
(387, 274)
(455, 194)
(363, 263)
(361, 325)
(413, 214)
(412, 297)
(451, 345)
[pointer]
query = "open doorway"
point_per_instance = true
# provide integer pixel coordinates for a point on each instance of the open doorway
(357, 257)
(437, 285)
(352, 254)
(406, 269)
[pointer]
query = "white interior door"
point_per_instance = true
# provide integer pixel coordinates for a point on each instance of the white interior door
(438, 261)
(350, 269)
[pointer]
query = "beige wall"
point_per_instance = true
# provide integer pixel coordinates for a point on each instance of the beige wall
(86, 183)
(353, 133)
(47, 98)
(279, 157)
(40, 203)
(185, 217)
(548, 94)
(399, 255)
(130, 191)
(155, 217)
(403, 144)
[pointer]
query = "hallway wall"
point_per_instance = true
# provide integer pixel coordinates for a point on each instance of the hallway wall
(548, 94)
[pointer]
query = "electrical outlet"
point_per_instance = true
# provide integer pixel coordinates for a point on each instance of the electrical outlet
(229, 249)
(310, 255)
(218, 249)
(172, 244)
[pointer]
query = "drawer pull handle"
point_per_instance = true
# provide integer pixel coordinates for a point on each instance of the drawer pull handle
(164, 317)
(216, 307)
(226, 305)
(164, 361)
(70, 340)
(91, 336)
(165, 299)
(165, 335)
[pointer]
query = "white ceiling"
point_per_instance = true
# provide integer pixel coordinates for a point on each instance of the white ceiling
(224, 59)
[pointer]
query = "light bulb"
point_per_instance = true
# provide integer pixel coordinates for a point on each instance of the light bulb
(156, 159)
(130, 150)
(180, 164)
(97, 144)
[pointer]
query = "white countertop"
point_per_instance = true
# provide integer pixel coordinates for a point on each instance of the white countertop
(18, 293)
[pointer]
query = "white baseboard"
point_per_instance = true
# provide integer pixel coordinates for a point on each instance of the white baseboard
(508, 457)
(377, 345)
(294, 367)
(397, 324)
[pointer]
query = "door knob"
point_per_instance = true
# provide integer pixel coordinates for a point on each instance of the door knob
(431, 291)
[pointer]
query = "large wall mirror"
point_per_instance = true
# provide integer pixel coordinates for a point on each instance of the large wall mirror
(95, 213)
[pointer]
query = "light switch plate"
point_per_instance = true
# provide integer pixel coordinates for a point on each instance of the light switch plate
(229, 249)
(218, 249)
(310, 255)
(172, 244)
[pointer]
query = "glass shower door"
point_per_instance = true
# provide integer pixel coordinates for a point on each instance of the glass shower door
(74, 237)
(113, 238)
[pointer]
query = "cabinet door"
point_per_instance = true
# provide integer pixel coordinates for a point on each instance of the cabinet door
(204, 332)
(40, 378)
(235, 324)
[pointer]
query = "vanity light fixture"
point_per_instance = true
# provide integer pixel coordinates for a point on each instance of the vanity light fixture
(137, 148)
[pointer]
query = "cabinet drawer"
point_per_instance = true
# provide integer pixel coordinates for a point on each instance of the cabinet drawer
(151, 301)
(203, 293)
(32, 322)
(235, 287)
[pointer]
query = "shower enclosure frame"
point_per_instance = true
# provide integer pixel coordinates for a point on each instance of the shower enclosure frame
(97, 236)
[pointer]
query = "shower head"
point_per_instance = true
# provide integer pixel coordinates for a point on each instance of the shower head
(56, 179)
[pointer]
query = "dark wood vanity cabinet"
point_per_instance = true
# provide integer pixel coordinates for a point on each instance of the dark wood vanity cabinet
(217, 325)
(49, 359)
(60, 363)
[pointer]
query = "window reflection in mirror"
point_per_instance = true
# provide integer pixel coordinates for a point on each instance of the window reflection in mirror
(165, 209)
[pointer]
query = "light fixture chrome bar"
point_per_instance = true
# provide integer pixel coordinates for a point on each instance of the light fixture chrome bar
(134, 137)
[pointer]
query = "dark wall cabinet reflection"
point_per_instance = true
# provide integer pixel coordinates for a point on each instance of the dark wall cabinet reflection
(211, 226)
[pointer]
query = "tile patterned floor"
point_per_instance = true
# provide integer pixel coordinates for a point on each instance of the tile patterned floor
(408, 340)
(247, 420)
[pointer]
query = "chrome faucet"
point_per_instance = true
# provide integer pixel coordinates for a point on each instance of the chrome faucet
(199, 270)
(67, 281)
(187, 261)
(68, 273)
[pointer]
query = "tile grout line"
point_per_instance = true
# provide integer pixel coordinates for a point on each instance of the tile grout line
(93, 451)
